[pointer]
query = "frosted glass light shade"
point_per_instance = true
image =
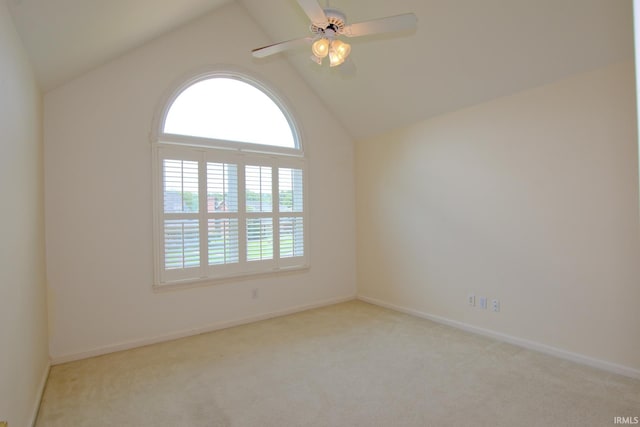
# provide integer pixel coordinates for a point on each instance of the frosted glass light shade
(342, 49)
(320, 48)
(338, 52)
(334, 59)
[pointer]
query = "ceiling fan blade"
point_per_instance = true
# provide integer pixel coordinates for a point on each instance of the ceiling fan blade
(402, 22)
(314, 12)
(272, 49)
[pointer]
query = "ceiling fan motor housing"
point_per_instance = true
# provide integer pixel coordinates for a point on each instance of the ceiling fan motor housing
(336, 21)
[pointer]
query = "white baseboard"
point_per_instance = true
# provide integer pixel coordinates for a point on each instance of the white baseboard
(39, 395)
(531, 345)
(56, 360)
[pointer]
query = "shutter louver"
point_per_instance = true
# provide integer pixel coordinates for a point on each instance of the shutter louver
(181, 243)
(259, 239)
(290, 190)
(180, 186)
(222, 187)
(223, 241)
(291, 237)
(181, 201)
(258, 189)
(222, 200)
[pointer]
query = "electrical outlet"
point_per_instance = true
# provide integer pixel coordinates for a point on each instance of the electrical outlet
(254, 294)
(471, 300)
(495, 305)
(483, 303)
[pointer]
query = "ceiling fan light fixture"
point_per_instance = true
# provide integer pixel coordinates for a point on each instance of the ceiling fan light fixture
(338, 52)
(334, 59)
(320, 48)
(343, 49)
(316, 59)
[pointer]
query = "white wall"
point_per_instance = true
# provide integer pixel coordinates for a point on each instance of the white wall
(531, 199)
(98, 197)
(23, 318)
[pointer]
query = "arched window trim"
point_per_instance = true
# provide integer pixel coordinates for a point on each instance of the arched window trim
(160, 137)
(275, 158)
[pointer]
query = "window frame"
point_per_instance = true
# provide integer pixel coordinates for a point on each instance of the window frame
(159, 136)
(167, 145)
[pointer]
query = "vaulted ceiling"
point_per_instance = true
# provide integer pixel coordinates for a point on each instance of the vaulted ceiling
(463, 52)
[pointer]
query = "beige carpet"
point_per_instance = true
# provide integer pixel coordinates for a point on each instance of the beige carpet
(350, 364)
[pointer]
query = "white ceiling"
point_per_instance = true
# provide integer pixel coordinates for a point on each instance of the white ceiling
(66, 38)
(464, 51)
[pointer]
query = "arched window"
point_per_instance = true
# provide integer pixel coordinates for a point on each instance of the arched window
(230, 177)
(225, 108)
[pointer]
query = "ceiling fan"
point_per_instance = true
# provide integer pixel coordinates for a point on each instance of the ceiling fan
(327, 25)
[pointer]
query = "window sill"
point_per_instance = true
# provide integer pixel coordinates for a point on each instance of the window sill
(205, 282)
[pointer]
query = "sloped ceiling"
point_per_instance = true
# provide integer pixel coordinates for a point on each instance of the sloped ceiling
(66, 38)
(463, 52)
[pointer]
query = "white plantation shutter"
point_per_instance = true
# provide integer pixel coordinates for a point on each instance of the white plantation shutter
(180, 186)
(291, 201)
(181, 228)
(259, 239)
(227, 218)
(222, 187)
(291, 237)
(290, 186)
(222, 218)
(223, 241)
(259, 208)
(181, 244)
(258, 181)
